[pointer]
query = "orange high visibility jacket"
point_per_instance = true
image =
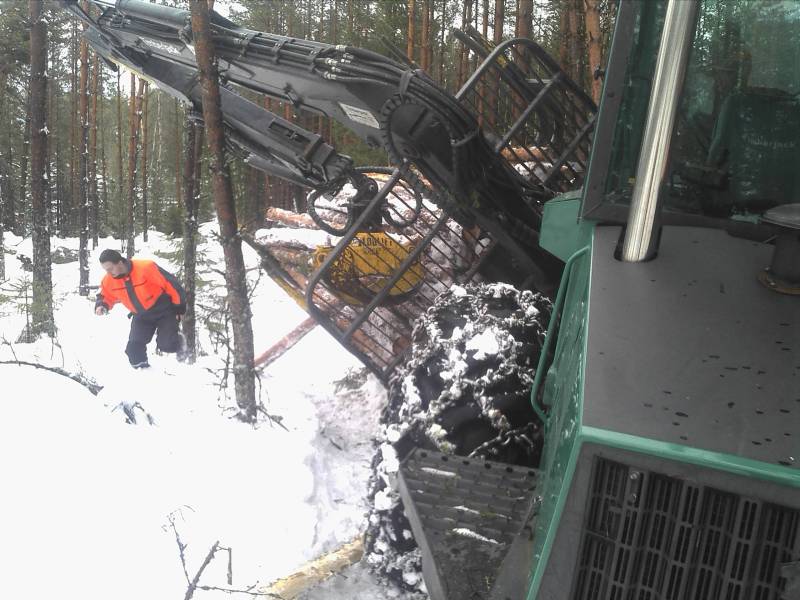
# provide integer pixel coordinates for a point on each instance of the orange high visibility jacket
(139, 290)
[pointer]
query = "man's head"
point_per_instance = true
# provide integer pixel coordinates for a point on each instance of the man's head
(113, 263)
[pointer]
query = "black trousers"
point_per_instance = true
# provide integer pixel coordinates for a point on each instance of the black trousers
(161, 320)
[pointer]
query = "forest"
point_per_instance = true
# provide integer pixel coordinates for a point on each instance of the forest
(89, 152)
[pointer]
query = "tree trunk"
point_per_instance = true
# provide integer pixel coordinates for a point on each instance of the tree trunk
(69, 207)
(7, 212)
(499, 20)
(105, 178)
(133, 143)
(350, 23)
(574, 46)
(93, 198)
(497, 38)
(178, 151)
(120, 181)
(17, 224)
(144, 161)
(191, 201)
(593, 40)
(411, 24)
(425, 34)
(59, 178)
(463, 53)
(83, 166)
(444, 79)
(563, 28)
(235, 275)
(48, 156)
(2, 249)
(524, 18)
(5, 182)
(523, 30)
(155, 167)
(42, 307)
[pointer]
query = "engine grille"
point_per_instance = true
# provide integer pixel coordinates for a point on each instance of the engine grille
(647, 536)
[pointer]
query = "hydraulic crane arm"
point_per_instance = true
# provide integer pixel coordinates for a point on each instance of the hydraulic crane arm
(384, 102)
(152, 41)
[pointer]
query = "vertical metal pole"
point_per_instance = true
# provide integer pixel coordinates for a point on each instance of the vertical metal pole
(673, 53)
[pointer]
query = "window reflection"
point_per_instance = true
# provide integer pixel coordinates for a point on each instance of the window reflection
(736, 149)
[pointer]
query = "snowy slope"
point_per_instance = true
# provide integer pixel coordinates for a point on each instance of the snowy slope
(89, 501)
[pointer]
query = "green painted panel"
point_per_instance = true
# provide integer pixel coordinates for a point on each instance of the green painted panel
(562, 233)
(686, 454)
(563, 393)
(562, 389)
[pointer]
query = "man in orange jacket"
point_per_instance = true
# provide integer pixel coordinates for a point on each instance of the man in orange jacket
(154, 297)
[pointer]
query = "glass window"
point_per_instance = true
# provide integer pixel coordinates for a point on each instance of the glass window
(736, 148)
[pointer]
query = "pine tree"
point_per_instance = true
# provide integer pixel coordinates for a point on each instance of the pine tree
(83, 170)
(42, 308)
(235, 274)
(191, 201)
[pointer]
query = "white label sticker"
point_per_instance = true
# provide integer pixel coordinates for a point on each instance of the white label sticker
(360, 115)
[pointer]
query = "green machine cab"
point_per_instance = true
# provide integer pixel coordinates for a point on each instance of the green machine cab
(669, 386)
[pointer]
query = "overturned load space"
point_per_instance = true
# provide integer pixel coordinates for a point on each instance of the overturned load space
(472, 518)
(371, 287)
(418, 237)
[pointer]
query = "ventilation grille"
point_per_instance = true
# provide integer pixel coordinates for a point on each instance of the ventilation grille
(651, 537)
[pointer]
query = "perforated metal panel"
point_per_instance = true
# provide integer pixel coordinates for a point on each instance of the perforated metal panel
(648, 536)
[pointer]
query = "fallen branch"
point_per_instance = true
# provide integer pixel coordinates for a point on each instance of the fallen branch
(193, 583)
(249, 591)
(181, 545)
(88, 384)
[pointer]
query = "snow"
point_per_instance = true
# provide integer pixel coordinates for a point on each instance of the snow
(93, 504)
(309, 238)
(463, 531)
(484, 344)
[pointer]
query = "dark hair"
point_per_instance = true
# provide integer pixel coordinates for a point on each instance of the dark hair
(110, 256)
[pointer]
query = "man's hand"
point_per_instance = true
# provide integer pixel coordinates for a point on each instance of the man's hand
(100, 311)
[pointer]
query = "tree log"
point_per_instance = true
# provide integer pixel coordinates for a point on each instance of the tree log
(285, 344)
(317, 571)
(523, 154)
(290, 219)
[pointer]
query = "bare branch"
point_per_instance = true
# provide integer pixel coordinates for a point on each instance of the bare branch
(248, 591)
(193, 583)
(230, 565)
(93, 387)
(181, 546)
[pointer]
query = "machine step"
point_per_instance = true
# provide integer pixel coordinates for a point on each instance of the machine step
(466, 514)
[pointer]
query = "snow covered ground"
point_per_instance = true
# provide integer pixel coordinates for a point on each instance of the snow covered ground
(91, 506)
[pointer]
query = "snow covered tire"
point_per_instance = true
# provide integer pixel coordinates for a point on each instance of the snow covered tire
(464, 391)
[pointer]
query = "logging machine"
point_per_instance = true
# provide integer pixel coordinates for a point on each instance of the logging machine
(665, 227)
